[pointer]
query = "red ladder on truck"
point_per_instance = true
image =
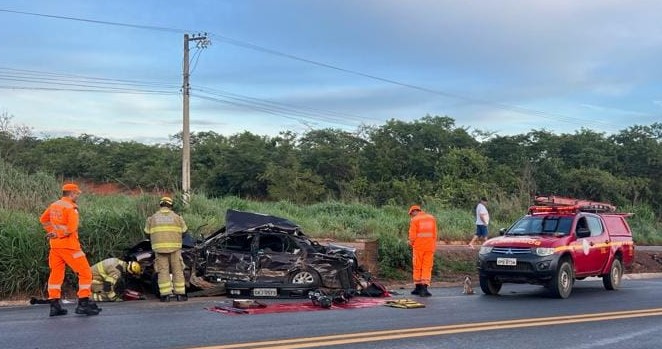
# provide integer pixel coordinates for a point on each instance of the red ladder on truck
(559, 203)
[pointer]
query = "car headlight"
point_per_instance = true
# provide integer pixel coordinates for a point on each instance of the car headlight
(544, 251)
(485, 249)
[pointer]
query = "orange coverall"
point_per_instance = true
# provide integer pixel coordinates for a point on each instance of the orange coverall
(423, 239)
(60, 220)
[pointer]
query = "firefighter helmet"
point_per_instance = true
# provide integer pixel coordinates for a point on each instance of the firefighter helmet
(166, 200)
(134, 268)
(414, 208)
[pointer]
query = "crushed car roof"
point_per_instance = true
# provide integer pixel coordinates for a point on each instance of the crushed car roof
(238, 221)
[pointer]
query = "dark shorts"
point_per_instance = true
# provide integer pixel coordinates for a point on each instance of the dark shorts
(481, 231)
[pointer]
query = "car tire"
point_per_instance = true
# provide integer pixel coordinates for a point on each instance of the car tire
(563, 280)
(490, 285)
(305, 277)
(612, 280)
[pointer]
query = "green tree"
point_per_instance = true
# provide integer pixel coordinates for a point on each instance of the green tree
(333, 155)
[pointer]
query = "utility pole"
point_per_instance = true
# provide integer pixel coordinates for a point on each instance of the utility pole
(202, 42)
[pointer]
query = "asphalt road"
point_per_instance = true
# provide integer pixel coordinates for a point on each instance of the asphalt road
(523, 316)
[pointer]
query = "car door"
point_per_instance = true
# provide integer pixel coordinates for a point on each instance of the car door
(591, 251)
(277, 255)
(231, 258)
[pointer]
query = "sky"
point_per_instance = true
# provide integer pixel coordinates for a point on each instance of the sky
(114, 69)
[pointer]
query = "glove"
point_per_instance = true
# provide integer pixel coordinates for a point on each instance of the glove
(107, 286)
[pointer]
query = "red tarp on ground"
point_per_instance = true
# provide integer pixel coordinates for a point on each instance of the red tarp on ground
(353, 303)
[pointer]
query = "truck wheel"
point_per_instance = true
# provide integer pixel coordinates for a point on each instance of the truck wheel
(613, 280)
(490, 286)
(563, 280)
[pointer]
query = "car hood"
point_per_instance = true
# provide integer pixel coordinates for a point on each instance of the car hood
(526, 241)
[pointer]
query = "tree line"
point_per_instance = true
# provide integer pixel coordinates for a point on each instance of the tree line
(399, 162)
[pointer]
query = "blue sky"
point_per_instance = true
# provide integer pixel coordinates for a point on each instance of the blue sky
(113, 69)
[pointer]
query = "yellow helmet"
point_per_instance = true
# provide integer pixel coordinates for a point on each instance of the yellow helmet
(134, 268)
(166, 200)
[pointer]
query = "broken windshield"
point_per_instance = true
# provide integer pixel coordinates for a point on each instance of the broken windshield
(541, 225)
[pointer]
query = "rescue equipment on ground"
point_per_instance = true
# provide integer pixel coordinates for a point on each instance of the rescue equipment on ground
(326, 299)
(404, 303)
(247, 304)
(131, 295)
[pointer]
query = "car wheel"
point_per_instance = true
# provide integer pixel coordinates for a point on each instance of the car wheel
(612, 280)
(305, 277)
(563, 280)
(489, 285)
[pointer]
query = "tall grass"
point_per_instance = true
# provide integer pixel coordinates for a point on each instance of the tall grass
(24, 192)
(111, 223)
(23, 251)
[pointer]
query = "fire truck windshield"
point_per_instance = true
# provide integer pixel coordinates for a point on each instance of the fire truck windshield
(541, 225)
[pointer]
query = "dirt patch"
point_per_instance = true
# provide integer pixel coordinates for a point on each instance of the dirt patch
(646, 262)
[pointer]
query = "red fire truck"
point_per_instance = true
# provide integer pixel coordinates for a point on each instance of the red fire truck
(559, 241)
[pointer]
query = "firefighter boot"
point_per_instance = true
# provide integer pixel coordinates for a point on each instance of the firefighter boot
(86, 307)
(182, 298)
(424, 291)
(56, 308)
(417, 290)
(94, 305)
(165, 298)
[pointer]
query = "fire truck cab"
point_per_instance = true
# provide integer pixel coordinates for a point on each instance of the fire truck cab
(559, 241)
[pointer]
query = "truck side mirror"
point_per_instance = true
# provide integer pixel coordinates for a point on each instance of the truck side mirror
(502, 231)
(583, 232)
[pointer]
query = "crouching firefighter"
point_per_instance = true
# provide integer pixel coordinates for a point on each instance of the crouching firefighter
(105, 275)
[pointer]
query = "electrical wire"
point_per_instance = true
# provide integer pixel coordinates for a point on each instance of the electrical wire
(244, 44)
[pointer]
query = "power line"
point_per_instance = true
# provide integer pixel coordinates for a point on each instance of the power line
(108, 85)
(126, 91)
(137, 26)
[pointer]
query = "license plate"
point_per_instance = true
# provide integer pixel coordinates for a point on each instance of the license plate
(506, 261)
(265, 292)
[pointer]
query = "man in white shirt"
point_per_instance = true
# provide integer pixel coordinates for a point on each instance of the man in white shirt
(482, 221)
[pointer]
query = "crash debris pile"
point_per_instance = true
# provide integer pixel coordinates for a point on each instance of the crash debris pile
(229, 308)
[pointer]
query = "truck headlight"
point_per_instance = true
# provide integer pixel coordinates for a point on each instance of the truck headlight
(485, 249)
(544, 251)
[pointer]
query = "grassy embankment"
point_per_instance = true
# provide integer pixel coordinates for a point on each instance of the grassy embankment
(109, 224)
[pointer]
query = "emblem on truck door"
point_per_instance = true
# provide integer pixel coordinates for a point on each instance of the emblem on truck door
(585, 246)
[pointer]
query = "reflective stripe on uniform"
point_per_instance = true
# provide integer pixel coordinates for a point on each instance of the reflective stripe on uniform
(164, 229)
(166, 245)
(78, 254)
(424, 235)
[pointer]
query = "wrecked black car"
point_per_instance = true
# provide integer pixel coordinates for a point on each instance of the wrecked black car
(259, 255)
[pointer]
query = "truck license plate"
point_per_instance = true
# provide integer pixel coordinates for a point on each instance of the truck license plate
(265, 292)
(506, 261)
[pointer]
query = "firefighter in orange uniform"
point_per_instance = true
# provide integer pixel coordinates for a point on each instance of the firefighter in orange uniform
(164, 229)
(60, 220)
(423, 240)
